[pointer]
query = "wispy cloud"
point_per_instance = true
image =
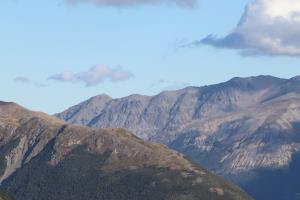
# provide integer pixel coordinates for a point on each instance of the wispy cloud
(128, 3)
(39, 84)
(94, 76)
(267, 27)
(26, 80)
(22, 79)
(66, 76)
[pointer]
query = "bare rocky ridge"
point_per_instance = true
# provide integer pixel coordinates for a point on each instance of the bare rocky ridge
(35, 147)
(242, 125)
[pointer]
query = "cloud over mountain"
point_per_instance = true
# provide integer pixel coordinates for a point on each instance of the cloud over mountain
(267, 27)
(94, 76)
(127, 3)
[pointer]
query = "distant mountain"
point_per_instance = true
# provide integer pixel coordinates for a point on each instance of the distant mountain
(245, 129)
(44, 158)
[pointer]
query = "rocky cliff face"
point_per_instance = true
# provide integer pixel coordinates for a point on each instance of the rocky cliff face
(232, 128)
(42, 157)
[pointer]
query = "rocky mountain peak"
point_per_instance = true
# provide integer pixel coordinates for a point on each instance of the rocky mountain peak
(256, 82)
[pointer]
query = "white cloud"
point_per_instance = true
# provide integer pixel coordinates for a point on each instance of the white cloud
(270, 27)
(127, 3)
(94, 76)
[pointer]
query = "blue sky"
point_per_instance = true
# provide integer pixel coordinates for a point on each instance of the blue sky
(139, 47)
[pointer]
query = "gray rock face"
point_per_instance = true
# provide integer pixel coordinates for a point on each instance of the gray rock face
(80, 114)
(240, 125)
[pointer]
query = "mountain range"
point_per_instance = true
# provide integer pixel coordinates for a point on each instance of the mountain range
(45, 158)
(245, 129)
